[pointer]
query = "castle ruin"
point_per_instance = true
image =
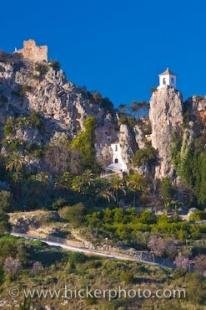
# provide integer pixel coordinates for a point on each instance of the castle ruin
(33, 52)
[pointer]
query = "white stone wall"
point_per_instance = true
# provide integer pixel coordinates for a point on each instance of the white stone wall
(118, 164)
(167, 80)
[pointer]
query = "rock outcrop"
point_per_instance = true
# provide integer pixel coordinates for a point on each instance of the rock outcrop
(196, 107)
(166, 117)
(139, 137)
(127, 143)
(26, 86)
(29, 82)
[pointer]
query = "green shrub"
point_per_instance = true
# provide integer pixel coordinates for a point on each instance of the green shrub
(4, 223)
(59, 203)
(77, 258)
(42, 69)
(147, 217)
(140, 227)
(55, 65)
(84, 143)
(11, 246)
(5, 201)
(12, 146)
(202, 228)
(24, 89)
(105, 103)
(190, 163)
(145, 156)
(126, 277)
(35, 119)
(197, 216)
(127, 120)
(34, 149)
(166, 190)
(73, 214)
(9, 126)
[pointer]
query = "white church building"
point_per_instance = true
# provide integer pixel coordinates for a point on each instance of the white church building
(118, 164)
(167, 78)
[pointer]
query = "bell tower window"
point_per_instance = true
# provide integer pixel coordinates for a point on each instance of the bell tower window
(167, 78)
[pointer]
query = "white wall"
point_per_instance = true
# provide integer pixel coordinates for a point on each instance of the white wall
(167, 80)
(116, 154)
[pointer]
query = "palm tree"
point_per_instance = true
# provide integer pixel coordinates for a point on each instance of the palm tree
(15, 164)
(82, 183)
(135, 183)
(105, 191)
(117, 185)
(88, 177)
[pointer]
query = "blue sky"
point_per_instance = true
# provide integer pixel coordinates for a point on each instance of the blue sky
(117, 47)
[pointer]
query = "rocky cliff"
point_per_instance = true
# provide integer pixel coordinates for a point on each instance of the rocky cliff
(166, 117)
(196, 112)
(28, 85)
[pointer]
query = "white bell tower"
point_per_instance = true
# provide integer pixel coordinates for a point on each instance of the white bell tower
(167, 78)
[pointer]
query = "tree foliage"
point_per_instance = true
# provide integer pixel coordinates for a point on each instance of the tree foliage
(145, 156)
(5, 201)
(84, 143)
(190, 163)
(73, 214)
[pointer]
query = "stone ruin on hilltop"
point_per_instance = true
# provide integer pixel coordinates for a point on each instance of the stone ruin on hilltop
(33, 52)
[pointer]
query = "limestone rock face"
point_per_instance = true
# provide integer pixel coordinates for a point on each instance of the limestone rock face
(139, 137)
(27, 86)
(197, 108)
(106, 134)
(64, 105)
(30, 135)
(166, 117)
(120, 134)
(127, 143)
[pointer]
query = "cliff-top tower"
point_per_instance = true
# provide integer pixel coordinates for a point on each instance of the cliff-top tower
(166, 118)
(167, 78)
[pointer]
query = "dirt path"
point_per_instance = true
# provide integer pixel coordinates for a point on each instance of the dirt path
(87, 251)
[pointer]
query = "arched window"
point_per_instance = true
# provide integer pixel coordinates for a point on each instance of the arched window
(116, 161)
(164, 81)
